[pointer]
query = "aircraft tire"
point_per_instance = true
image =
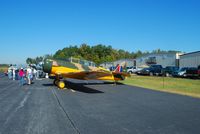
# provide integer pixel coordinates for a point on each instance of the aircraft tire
(61, 84)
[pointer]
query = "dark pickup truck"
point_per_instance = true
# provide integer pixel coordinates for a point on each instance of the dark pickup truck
(193, 72)
(152, 70)
(169, 70)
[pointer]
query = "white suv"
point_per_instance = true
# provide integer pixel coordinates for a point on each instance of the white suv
(133, 69)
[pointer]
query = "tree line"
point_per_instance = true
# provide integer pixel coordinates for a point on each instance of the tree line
(38, 59)
(98, 54)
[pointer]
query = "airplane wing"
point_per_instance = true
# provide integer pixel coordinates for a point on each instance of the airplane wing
(94, 75)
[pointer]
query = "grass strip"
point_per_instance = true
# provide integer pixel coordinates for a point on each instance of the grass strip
(189, 87)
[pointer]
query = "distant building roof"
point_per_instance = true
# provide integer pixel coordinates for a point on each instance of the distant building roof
(190, 53)
(146, 55)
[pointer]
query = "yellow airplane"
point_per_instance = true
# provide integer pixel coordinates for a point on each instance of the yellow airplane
(63, 69)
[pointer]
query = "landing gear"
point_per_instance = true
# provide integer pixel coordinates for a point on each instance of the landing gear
(55, 82)
(59, 83)
(114, 83)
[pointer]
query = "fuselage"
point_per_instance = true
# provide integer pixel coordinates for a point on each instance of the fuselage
(77, 71)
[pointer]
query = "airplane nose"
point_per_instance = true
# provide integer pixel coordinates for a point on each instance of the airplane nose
(47, 66)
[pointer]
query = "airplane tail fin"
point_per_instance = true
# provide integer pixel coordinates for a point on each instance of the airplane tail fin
(118, 68)
(118, 72)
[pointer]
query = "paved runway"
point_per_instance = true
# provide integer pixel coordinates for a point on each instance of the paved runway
(1, 75)
(94, 108)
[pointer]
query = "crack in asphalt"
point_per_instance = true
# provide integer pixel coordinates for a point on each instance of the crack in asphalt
(2, 75)
(5, 88)
(66, 114)
(22, 103)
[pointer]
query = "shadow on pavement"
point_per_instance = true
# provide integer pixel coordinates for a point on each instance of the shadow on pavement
(80, 87)
(48, 85)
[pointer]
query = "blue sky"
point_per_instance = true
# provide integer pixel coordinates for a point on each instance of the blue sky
(30, 28)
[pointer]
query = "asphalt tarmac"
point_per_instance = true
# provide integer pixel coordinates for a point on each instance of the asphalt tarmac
(94, 108)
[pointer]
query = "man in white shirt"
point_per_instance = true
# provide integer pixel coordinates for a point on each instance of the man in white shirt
(10, 72)
(29, 74)
(13, 73)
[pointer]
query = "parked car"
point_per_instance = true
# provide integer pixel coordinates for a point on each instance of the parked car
(187, 72)
(144, 71)
(133, 69)
(198, 70)
(112, 68)
(152, 70)
(169, 70)
(156, 69)
(181, 72)
(192, 72)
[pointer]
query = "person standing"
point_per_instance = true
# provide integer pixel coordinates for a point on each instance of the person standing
(35, 73)
(21, 75)
(10, 72)
(29, 75)
(13, 73)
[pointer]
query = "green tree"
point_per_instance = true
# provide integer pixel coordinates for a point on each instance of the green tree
(30, 61)
(100, 53)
